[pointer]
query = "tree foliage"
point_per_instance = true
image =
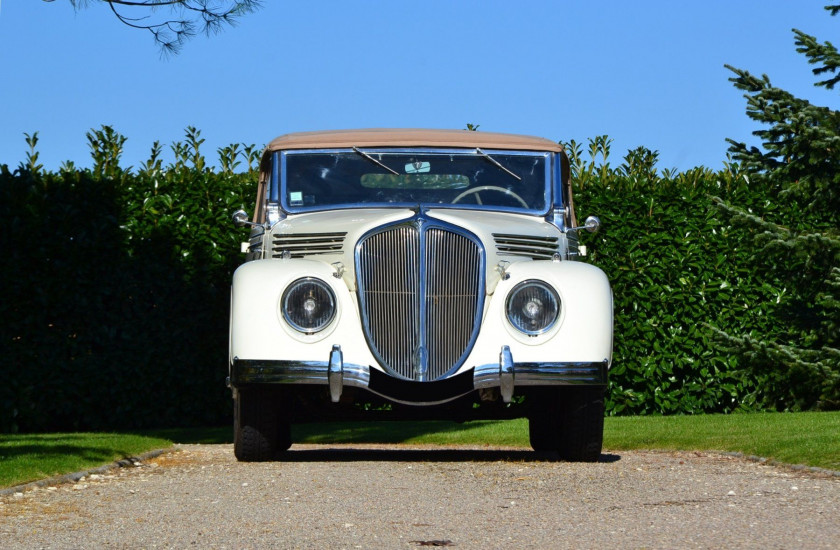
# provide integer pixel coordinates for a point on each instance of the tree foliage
(173, 22)
(797, 248)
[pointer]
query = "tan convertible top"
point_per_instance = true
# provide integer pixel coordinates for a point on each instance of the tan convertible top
(384, 137)
(407, 137)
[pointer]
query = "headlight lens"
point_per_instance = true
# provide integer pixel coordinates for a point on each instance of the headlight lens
(533, 307)
(308, 305)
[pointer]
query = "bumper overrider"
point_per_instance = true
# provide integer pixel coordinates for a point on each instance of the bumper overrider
(335, 373)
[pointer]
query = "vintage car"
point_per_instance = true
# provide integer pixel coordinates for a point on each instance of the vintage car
(417, 274)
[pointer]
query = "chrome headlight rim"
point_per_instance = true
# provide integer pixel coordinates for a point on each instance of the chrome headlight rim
(545, 290)
(326, 296)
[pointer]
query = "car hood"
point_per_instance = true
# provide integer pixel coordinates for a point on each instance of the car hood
(331, 236)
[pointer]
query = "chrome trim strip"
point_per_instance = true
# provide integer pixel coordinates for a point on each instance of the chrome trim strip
(421, 368)
(335, 375)
(466, 151)
(417, 403)
(297, 372)
(583, 373)
(486, 376)
(558, 203)
(544, 374)
(506, 374)
(556, 215)
(277, 168)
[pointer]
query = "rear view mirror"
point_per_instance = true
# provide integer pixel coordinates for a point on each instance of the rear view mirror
(240, 219)
(417, 167)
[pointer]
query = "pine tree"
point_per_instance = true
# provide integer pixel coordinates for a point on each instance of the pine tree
(796, 242)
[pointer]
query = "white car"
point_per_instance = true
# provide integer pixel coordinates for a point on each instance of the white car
(417, 274)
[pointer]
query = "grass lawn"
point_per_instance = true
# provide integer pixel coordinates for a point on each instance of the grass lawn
(29, 457)
(812, 439)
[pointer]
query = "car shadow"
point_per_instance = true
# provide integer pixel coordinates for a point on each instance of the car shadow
(349, 453)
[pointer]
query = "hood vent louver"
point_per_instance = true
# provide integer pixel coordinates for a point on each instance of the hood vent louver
(300, 245)
(536, 248)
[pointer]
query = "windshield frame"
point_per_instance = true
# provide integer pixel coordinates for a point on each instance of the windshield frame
(277, 187)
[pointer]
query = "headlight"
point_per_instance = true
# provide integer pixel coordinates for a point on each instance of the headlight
(533, 307)
(308, 305)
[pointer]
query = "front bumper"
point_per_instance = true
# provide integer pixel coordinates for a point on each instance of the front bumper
(335, 373)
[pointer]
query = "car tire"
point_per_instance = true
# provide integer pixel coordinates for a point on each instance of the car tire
(542, 421)
(568, 420)
(260, 429)
(581, 430)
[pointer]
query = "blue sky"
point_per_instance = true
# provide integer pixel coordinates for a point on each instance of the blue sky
(648, 72)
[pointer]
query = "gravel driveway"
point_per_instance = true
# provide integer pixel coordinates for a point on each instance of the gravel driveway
(381, 496)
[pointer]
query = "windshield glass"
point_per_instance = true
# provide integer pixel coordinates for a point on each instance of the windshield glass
(347, 178)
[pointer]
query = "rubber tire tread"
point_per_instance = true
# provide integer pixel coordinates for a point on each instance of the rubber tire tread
(568, 421)
(542, 421)
(256, 424)
(581, 423)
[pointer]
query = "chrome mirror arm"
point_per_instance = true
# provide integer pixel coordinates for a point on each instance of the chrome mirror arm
(591, 224)
(240, 219)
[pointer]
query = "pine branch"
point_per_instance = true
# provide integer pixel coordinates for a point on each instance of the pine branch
(823, 54)
(798, 161)
(189, 17)
(738, 216)
(819, 368)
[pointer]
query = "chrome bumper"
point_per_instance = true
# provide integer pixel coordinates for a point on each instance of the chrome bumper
(335, 373)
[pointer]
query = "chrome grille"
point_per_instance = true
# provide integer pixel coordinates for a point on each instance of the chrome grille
(421, 289)
(299, 245)
(537, 248)
(451, 297)
(389, 286)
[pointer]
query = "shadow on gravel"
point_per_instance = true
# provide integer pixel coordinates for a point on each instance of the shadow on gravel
(349, 454)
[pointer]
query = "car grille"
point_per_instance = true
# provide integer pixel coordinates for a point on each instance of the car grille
(537, 248)
(299, 245)
(421, 289)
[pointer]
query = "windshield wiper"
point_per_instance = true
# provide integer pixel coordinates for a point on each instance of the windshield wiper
(373, 160)
(496, 162)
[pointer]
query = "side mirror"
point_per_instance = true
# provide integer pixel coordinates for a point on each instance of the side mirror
(240, 219)
(591, 224)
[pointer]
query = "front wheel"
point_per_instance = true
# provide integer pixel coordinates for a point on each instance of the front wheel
(261, 429)
(568, 420)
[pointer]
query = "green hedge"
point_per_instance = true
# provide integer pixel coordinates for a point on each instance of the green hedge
(115, 290)
(677, 274)
(114, 300)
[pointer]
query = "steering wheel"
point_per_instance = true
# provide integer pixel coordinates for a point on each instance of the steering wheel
(496, 188)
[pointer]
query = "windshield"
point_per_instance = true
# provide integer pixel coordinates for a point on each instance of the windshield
(458, 178)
